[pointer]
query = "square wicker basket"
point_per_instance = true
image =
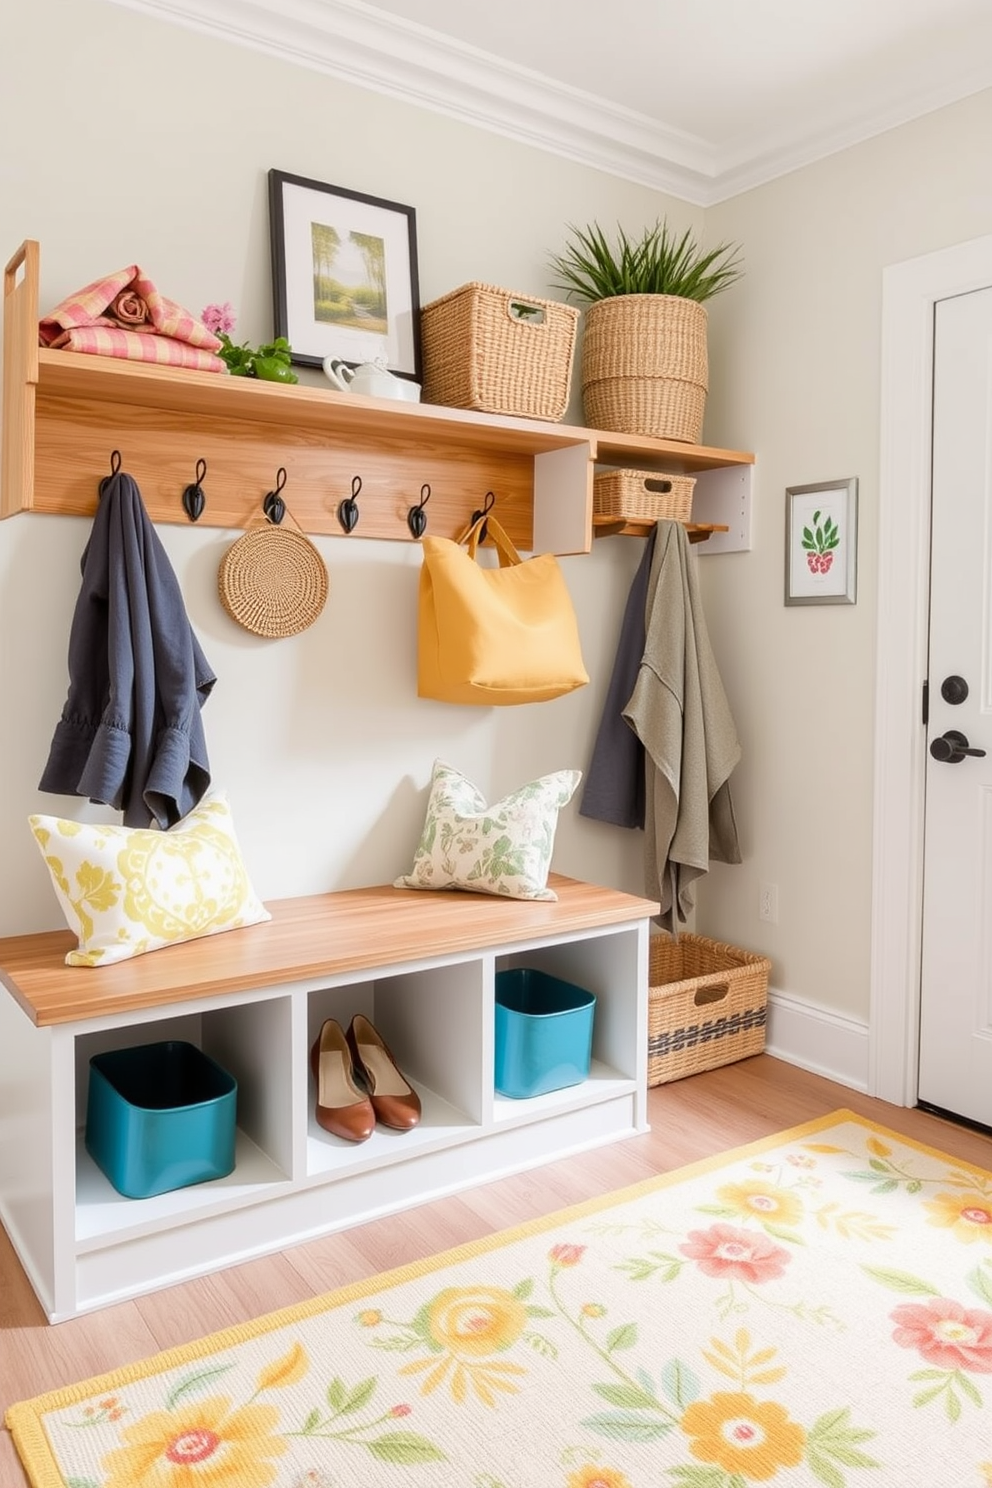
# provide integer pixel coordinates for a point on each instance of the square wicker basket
(707, 1005)
(497, 352)
(645, 495)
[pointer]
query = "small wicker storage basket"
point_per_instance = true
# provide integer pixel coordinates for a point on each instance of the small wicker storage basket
(707, 1005)
(497, 352)
(645, 367)
(643, 494)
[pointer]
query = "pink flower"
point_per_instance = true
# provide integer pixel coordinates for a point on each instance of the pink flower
(946, 1334)
(566, 1255)
(723, 1250)
(401, 1410)
(218, 318)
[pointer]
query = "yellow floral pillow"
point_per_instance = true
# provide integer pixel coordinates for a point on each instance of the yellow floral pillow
(127, 890)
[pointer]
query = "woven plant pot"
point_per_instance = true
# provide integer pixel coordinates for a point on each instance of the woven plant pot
(645, 367)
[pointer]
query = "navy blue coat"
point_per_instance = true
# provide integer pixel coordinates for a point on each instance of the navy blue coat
(131, 734)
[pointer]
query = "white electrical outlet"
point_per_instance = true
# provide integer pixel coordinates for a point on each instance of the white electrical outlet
(768, 902)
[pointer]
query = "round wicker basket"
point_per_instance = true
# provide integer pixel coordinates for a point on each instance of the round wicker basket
(273, 581)
(644, 366)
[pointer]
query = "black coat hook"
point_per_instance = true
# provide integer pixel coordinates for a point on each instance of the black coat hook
(193, 498)
(273, 505)
(490, 502)
(348, 512)
(115, 468)
(416, 517)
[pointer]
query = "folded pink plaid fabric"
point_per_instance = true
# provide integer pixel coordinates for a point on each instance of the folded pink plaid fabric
(124, 315)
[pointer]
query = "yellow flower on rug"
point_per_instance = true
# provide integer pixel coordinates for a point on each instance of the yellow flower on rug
(597, 1477)
(744, 1435)
(967, 1215)
(202, 1443)
(768, 1203)
(465, 1326)
(476, 1320)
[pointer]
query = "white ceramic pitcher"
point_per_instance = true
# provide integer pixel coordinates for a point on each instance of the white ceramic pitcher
(374, 379)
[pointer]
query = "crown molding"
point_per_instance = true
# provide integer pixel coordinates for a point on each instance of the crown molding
(760, 160)
(373, 49)
(369, 48)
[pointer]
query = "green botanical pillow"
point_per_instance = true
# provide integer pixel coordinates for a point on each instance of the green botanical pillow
(128, 890)
(503, 849)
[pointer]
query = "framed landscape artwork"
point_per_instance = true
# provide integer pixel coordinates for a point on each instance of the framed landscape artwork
(344, 275)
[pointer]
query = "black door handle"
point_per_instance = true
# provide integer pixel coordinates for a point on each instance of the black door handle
(952, 747)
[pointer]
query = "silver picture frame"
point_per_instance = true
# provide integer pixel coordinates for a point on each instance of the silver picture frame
(821, 543)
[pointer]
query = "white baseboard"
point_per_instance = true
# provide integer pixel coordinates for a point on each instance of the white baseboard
(825, 1043)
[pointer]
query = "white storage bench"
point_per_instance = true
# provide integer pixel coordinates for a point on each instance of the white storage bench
(421, 965)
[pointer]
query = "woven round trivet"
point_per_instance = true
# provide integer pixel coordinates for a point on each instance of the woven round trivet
(273, 581)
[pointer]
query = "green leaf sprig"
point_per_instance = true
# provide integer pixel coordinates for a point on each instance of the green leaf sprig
(272, 362)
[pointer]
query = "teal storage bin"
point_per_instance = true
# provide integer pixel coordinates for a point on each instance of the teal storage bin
(543, 1033)
(160, 1116)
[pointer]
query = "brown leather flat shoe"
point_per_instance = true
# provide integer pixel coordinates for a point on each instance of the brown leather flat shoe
(342, 1108)
(394, 1101)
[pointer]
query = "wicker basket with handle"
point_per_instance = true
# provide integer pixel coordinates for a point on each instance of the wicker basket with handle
(488, 349)
(707, 1005)
(644, 494)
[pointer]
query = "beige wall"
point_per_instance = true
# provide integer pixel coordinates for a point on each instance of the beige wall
(797, 363)
(150, 143)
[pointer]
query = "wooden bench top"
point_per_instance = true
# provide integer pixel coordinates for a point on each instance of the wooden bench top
(351, 931)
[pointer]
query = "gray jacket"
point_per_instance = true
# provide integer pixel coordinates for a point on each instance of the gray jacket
(131, 734)
(680, 713)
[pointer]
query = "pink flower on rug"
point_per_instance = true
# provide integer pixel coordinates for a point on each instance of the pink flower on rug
(723, 1250)
(946, 1334)
(566, 1255)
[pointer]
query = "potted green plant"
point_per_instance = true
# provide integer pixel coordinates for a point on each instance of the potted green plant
(644, 359)
(272, 362)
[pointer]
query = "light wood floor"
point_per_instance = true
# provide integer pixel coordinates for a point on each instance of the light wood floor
(690, 1119)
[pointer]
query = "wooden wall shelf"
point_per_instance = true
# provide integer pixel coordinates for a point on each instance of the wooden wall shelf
(65, 412)
(640, 527)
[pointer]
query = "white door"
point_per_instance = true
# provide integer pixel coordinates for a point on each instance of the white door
(956, 988)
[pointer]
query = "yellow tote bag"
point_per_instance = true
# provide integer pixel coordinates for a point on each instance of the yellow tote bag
(494, 635)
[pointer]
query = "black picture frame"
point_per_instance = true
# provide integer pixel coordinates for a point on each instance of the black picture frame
(380, 318)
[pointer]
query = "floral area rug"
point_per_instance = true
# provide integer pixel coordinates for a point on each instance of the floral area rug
(815, 1308)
